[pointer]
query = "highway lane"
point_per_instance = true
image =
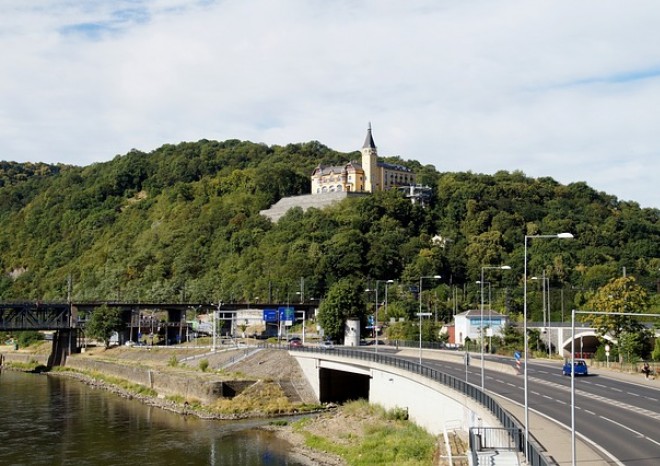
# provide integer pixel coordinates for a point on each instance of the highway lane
(621, 417)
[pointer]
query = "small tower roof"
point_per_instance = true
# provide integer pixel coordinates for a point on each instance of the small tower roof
(369, 140)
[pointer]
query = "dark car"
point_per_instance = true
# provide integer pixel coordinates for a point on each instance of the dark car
(295, 342)
(581, 367)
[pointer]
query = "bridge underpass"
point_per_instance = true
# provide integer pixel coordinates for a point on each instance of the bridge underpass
(337, 386)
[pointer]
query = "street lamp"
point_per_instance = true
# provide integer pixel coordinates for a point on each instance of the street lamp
(387, 282)
(525, 338)
(481, 325)
(420, 313)
(546, 309)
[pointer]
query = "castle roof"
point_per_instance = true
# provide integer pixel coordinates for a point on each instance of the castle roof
(369, 140)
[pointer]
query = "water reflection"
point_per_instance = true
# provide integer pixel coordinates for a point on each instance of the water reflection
(55, 420)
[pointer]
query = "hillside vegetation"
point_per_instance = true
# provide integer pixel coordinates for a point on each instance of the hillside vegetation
(182, 223)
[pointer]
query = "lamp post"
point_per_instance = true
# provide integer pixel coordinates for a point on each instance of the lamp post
(387, 282)
(481, 325)
(546, 308)
(420, 313)
(525, 338)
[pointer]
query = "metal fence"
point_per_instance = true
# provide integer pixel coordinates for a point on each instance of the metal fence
(534, 454)
(496, 438)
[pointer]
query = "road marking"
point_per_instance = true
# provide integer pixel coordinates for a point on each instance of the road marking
(588, 411)
(639, 434)
(619, 404)
(633, 394)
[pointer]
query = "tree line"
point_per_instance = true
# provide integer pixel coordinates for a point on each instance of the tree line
(182, 223)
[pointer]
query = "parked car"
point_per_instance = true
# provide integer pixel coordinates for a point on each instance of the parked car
(581, 367)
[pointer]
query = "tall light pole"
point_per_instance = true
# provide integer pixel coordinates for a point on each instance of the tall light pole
(525, 338)
(481, 325)
(387, 282)
(546, 308)
(420, 313)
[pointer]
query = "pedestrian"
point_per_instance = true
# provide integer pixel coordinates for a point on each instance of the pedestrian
(646, 370)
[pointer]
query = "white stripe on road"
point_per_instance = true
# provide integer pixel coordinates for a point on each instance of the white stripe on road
(639, 434)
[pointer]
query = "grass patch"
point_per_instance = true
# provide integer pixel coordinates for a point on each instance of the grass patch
(130, 387)
(383, 439)
(29, 366)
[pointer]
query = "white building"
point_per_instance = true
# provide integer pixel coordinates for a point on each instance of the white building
(468, 324)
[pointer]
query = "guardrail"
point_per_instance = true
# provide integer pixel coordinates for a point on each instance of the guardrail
(534, 454)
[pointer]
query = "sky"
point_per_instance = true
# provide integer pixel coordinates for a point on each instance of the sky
(563, 89)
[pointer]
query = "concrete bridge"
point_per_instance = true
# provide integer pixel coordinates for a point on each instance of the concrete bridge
(438, 402)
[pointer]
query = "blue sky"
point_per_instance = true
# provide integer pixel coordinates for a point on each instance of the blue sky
(563, 89)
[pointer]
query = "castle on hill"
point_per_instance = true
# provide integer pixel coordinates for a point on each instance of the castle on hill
(332, 184)
(367, 176)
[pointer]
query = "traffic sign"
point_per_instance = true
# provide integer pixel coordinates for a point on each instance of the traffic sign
(270, 315)
(516, 355)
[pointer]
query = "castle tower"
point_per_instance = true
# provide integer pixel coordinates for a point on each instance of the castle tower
(369, 163)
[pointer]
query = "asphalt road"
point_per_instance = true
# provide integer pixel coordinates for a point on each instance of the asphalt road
(621, 416)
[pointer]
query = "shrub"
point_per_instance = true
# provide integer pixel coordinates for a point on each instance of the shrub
(28, 337)
(203, 365)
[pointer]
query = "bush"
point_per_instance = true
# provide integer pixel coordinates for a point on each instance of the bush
(203, 365)
(173, 361)
(28, 338)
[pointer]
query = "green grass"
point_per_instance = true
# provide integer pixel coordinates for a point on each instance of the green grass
(22, 366)
(130, 387)
(385, 440)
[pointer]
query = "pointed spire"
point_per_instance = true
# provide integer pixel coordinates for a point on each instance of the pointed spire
(369, 140)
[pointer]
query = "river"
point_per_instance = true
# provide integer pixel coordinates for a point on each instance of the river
(54, 420)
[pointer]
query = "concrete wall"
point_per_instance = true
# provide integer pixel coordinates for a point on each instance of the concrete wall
(164, 383)
(17, 356)
(306, 201)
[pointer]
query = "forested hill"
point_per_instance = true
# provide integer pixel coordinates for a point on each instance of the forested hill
(183, 223)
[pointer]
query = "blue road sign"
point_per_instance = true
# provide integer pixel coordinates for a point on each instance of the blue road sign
(516, 355)
(270, 315)
(286, 313)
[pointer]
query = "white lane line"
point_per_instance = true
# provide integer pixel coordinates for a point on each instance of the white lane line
(633, 394)
(620, 404)
(638, 434)
(588, 411)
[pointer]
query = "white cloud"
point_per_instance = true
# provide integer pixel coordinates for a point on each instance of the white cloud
(562, 89)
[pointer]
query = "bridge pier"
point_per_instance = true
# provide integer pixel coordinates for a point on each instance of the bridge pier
(64, 343)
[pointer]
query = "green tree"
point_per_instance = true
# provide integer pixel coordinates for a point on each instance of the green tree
(631, 345)
(345, 299)
(655, 355)
(103, 322)
(619, 295)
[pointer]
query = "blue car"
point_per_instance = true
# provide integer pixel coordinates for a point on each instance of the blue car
(580, 367)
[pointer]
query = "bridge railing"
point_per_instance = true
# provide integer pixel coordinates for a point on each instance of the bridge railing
(534, 454)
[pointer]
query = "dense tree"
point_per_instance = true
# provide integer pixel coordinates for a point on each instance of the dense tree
(344, 300)
(103, 322)
(184, 219)
(620, 296)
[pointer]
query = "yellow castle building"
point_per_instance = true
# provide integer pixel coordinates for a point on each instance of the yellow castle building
(366, 176)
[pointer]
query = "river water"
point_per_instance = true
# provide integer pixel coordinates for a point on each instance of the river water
(54, 420)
